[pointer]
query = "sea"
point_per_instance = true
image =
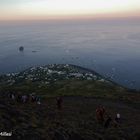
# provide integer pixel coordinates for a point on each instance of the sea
(110, 47)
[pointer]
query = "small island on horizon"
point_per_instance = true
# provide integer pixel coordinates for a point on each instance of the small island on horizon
(21, 48)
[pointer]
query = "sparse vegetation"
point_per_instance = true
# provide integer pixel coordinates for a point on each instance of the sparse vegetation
(76, 121)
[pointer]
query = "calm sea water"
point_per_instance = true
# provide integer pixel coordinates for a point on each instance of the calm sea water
(110, 47)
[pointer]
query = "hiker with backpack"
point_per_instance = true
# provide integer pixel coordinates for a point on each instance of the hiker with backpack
(100, 112)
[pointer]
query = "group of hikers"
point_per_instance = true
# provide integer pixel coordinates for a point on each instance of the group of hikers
(32, 98)
(25, 98)
(102, 116)
(105, 119)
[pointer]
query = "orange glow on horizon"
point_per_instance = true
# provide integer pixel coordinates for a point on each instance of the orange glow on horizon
(59, 9)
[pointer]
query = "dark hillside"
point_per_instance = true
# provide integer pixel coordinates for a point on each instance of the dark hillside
(81, 91)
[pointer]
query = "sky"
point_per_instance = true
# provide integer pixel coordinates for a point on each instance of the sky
(45, 9)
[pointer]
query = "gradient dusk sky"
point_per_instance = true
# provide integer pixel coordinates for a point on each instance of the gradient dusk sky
(45, 9)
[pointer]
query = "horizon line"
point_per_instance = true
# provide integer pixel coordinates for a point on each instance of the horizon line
(74, 17)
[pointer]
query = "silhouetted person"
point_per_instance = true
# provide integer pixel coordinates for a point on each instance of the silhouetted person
(24, 98)
(19, 98)
(38, 100)
(59, 103)
(13, 97)
(33, 98)
(107, 122)
(100, 112)
(118, 117)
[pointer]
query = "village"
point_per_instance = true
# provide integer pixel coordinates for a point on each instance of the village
(50, 73)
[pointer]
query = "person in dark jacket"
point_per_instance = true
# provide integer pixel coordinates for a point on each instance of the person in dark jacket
(100, 113)
(107, 122)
